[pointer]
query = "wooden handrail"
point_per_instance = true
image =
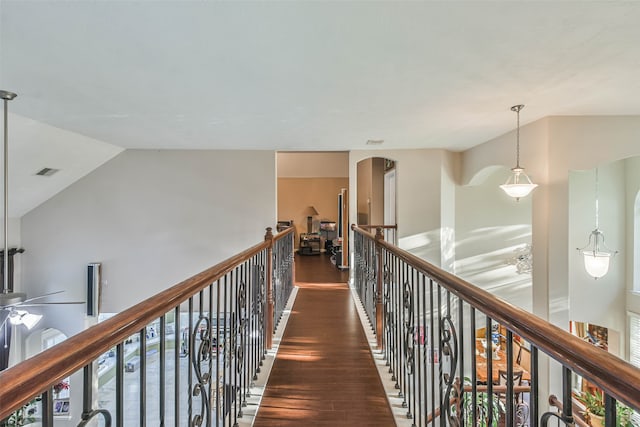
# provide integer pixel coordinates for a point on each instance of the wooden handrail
(615, 376)
(283, 233)
(365, 226)
(29, 378)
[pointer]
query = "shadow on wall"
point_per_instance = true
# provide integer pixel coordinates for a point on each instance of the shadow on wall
(425, 245)
(498, 260)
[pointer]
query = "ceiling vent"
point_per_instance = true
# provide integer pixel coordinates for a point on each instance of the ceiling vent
(47, 171)
(375, 141)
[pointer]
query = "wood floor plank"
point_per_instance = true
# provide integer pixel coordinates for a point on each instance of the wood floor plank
(324, 373)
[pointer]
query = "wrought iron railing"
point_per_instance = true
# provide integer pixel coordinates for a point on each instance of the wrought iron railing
(461, 356)
(200, 343)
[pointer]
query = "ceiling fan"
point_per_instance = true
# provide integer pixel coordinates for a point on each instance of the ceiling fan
(13, 304)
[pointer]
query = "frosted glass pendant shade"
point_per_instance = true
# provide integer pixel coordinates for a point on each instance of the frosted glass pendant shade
(518, 185)
(597, 256)
(596, 263)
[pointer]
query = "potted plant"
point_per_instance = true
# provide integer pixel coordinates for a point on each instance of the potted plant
(482, 407)
(23, 416)
(594, 407)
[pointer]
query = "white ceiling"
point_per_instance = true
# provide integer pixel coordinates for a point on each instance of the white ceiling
(309, 75)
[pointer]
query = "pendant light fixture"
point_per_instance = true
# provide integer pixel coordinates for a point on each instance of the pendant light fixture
(518, 185)
(597, 255)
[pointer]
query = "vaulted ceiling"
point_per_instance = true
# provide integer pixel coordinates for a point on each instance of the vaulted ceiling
(96, 77)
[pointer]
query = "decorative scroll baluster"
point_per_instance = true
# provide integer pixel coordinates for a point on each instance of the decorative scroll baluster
(219, 344)
(240, 353)
(449, 348)
(408, 336)
(199, 357)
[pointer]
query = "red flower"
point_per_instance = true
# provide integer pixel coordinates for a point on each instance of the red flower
(62, 385)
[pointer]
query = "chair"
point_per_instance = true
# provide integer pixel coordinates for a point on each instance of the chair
(520, 406)
(516, 381)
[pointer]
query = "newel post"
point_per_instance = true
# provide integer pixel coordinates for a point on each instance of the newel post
(268, 313)
(379, 285)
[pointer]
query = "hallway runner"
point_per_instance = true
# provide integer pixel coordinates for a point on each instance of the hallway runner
(324, 374)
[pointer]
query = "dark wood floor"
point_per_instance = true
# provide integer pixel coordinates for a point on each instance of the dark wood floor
(324, 374)
(318, 269)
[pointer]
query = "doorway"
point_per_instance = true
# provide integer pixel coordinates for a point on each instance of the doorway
(309, 185)
(376, 194)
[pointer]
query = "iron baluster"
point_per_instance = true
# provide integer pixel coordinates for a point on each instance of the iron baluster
(509, 381)
(533, 395)
(190, 351)
(449, 349)
(420, 337)
(408, 338)
(432, 351)
(176, 366)
(47, 408)
(489, 355)
(441, 394)
(162, 373)
(143, 377)
(176, 374)
(474, 374)
(120, 384)
(460, 354)
(219, 343)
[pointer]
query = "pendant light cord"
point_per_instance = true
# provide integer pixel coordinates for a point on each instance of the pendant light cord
(518, 140)
(597, 203)
(517, 109)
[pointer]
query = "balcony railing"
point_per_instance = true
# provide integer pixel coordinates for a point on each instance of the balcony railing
(460, 356)
(203, 342)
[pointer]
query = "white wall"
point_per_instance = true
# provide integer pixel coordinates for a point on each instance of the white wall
(480, 161)
(153, 218)
(490, 227)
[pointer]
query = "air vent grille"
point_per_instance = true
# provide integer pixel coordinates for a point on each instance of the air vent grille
(47, 171)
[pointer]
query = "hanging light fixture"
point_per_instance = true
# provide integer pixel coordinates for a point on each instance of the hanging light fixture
(23, 317)
(597, 255)
(518, 185)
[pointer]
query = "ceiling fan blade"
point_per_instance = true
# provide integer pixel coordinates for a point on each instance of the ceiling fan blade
(41, 296)
(41, 304)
